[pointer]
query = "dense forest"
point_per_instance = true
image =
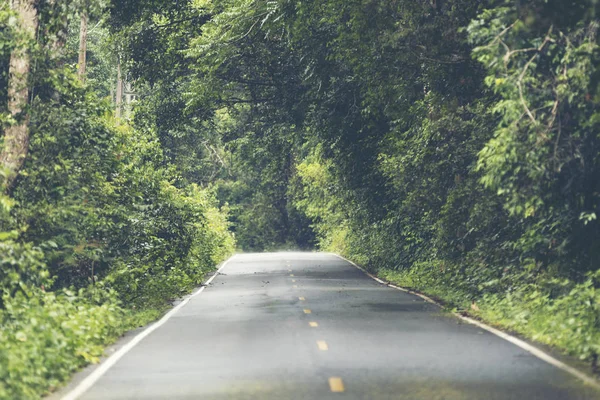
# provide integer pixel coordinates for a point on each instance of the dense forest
(451, 146)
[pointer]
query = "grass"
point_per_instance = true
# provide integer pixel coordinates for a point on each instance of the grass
(559, 313)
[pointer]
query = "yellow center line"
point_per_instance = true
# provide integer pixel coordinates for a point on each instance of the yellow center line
(291, 274)
(295, 286)
(293, 280)
(301, 298)
(307, 311)
(322, 345)
(313, 324)
(336, 385)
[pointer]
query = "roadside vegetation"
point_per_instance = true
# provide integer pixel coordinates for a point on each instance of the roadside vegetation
(449, 145)
(99, 231)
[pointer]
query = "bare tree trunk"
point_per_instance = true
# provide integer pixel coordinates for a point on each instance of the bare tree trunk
(83, 43)
(16, 137)
(119, 98)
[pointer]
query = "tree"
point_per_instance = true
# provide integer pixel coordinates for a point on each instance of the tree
(16, 136)
(83, 32)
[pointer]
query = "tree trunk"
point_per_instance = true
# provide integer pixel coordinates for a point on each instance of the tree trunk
(16, 137)
(119, 98)
(83, 43)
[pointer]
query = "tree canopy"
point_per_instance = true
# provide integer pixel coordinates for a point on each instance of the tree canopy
(450, 144)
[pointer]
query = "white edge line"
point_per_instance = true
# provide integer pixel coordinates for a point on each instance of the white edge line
(516, 341)
(92, 378)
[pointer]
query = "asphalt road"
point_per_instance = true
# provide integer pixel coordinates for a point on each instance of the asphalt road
(311, 326)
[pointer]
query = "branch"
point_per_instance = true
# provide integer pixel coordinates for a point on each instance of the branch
(212, 150)
(499, 36)
(522, 75)
(95, 26)
(249, 30)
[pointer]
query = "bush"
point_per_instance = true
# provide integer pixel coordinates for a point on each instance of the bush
(100, 236)
(47, 336)
(556, 312)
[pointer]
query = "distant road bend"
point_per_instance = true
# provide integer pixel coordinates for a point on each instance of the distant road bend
(311, 326)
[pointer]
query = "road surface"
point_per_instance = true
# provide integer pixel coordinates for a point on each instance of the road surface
(311, 326)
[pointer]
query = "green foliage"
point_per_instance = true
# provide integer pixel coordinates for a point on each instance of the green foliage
(101, 231)
(316, 198)
(434, 279)
(164, 271)
(470, 182)
(553, 311)
(10, 39)
(456, 138)
(22, 268)
(46, 337)
(451, 145)
(557, 312)
(22, 264)
(454, 142)
(543, 159)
